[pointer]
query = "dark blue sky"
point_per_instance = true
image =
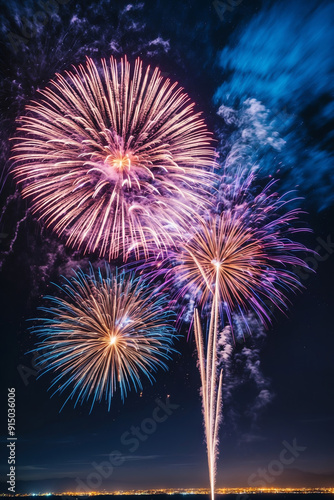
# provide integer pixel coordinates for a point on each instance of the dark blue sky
(218, 61)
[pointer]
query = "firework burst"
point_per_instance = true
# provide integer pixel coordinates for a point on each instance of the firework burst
(244, 255)
(114, 158)
(236, 260)
(105, 334)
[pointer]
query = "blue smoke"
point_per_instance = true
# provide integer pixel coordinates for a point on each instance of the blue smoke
(278, 95)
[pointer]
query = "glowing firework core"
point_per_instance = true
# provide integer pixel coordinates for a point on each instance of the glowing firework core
(122, 163)
(216, 263)
(113, 339)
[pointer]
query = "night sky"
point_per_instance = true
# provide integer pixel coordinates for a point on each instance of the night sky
(262, 73)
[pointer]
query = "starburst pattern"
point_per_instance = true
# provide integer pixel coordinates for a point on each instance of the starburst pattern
(246, 257)
(114, 158)
(103, 335)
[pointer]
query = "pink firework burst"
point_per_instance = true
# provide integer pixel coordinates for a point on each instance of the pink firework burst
(114, 158)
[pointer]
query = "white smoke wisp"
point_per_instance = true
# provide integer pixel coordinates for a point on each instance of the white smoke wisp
(240, 357)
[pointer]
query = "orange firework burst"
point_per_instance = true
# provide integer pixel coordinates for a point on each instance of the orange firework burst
(241, 261)
(114, 158)
(223, 256)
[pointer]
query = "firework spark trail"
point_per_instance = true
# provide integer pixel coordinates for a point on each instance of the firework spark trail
(105, 334)
(211, 379)
(114, 158)
(9, 199)
(5, 254)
